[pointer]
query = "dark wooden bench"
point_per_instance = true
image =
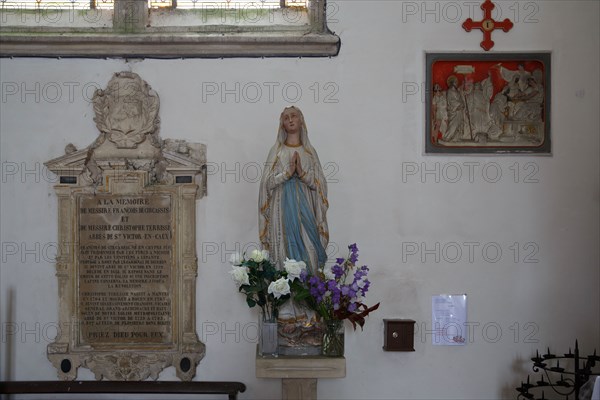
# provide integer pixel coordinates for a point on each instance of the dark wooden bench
(27, 387)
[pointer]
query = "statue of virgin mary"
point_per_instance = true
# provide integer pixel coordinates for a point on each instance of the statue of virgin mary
(292, 223)
(293, 197)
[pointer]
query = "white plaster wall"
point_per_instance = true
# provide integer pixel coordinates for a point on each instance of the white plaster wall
(366, 137)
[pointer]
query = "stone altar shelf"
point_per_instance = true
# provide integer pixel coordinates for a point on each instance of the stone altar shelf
(299, 374)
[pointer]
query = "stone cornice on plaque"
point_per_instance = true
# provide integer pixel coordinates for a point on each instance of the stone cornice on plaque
(182, 161)
(127, 262)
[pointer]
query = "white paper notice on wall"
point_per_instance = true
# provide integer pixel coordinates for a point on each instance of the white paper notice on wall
(448, 317)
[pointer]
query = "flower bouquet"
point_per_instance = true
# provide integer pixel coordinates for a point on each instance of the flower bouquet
(337, 294)
(264, 286)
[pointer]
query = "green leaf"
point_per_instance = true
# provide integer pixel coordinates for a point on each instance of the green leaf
(251, 303)
(302, 295)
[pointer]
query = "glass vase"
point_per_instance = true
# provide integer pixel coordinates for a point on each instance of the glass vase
(267, 335)
(333, 338)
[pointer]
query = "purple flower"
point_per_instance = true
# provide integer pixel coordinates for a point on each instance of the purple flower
(321, 287)
(336, 296)
(333, 290)
(349, 291)
(331, 284)
(353, 253)
(365, 286)
(337, 271)
(313, 291)
(303, 275)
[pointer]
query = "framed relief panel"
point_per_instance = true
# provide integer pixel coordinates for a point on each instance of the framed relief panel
(488, 103)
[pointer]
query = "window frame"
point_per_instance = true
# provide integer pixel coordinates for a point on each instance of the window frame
(132, 38)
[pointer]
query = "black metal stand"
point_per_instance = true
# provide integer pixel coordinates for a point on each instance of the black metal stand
(575, 376)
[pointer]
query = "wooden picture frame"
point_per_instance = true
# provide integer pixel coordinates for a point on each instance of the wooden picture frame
(488, 103)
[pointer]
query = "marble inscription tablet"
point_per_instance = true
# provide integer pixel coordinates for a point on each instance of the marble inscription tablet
(125, 264)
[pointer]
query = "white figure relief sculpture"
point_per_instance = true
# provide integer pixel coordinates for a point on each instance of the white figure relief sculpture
(477, 113)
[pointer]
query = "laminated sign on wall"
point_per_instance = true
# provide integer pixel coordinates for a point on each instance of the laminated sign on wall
(448, 318)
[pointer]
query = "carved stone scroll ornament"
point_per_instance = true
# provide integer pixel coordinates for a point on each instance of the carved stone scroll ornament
(127, 262)
(127, 110)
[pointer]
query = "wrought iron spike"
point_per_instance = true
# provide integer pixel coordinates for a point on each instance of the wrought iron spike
(549, 355)
(569, 354)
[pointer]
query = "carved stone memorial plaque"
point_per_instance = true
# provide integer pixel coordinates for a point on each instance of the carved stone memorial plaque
(127, 261)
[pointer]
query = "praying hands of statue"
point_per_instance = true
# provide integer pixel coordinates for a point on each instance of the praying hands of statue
(295, 166)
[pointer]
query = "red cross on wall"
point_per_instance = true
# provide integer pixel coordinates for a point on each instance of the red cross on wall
(487, 25)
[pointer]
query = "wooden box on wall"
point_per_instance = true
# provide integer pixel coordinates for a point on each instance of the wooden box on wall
(398, 335)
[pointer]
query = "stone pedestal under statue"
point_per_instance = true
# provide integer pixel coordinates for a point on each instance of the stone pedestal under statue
(299, 374)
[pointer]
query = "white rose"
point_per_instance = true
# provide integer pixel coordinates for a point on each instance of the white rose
(236, 259)
(257, 255)
(240, 276)
(265, 254)
(293, 268)
(279, 288)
